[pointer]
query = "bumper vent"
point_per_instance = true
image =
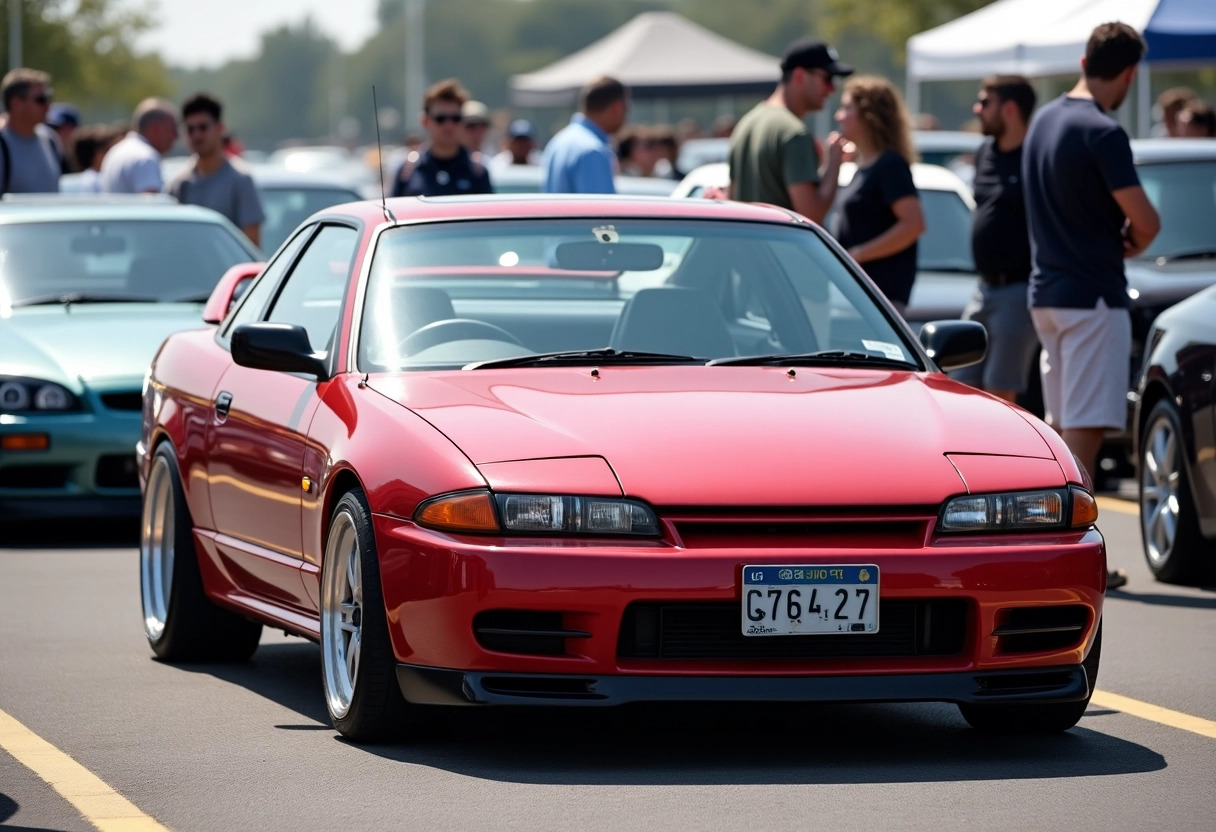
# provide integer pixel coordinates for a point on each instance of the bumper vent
(132, 400)
(712, 631)
(35, 476)
(117, 471)
(523, 632)
(1035, 629)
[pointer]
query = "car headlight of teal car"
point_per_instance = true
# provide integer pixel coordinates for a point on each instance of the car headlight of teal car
(26, 395)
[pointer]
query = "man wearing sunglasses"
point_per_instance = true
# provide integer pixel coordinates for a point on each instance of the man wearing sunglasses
(212, 180)
(443, 167)
(29, 159)
(773, 158)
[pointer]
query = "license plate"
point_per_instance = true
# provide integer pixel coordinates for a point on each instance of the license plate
(802, 600)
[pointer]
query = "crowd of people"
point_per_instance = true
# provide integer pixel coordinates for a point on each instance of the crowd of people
(1059, 204)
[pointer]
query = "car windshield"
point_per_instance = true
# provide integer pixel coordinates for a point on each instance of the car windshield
(115, 259)
(457, 294)
(286, 208)
(1184, 194)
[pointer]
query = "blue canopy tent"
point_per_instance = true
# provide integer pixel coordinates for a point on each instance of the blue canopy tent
(1047, 37)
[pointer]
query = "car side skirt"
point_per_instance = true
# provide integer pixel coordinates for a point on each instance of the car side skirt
(442, 686)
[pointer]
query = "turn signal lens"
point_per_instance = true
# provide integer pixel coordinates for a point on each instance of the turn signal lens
(470, 511)
(1084, 509)
(25, 442)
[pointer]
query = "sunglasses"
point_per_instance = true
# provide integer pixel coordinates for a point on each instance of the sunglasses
(444, 118)
(191, 129)
(45, 98)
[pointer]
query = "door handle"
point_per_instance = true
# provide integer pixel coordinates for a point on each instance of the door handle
(223, 402)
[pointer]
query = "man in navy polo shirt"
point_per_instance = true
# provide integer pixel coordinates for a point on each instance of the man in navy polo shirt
(444, 167)
(1086, 212)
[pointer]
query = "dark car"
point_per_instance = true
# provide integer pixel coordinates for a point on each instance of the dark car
(1176, 442)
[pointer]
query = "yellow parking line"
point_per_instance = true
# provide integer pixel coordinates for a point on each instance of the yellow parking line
(101, 806)
(1118, 505)
(1155, 713)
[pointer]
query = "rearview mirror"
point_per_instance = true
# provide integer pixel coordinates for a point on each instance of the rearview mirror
(609, 257)
(954, 344)
(273, 346)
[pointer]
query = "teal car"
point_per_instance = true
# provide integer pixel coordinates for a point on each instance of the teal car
(88, 291)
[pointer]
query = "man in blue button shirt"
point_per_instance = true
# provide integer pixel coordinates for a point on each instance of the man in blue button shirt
(579, 159)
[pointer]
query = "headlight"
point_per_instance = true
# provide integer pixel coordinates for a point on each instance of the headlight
(1057, 508)
(479, 511)
(19, 395)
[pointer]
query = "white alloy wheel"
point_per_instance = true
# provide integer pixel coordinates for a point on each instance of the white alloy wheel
(1159, 481)
(156, 549)
(341, 614)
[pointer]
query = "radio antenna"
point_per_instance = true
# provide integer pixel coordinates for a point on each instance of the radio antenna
(388, 215)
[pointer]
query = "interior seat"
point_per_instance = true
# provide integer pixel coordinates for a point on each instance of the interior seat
(673, 320)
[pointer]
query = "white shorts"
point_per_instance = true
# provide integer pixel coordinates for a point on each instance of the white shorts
(1084, 365)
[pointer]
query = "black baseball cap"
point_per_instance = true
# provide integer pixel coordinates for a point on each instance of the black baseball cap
(811, 53)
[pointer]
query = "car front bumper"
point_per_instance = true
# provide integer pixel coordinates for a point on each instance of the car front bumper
(435, 587)
(88, 469)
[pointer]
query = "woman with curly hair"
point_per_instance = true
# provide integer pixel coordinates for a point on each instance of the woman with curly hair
(880, 217)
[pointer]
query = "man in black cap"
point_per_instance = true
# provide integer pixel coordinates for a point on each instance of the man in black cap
(773, 157)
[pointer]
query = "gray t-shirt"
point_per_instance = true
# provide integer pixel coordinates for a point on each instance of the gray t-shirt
(32, 165)
(228, 190)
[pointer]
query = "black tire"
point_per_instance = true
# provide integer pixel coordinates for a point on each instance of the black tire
(365, 705)
(180, 622)
(1179, 560)
(1030, 718)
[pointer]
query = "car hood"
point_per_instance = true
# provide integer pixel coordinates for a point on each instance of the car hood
(1152, 284)
(89, 343)
(729, 435)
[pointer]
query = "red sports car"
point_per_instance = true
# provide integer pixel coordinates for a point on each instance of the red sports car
(571, 451)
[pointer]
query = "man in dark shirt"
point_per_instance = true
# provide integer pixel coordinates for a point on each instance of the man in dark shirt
(1000, 243)
(444, 167)
(1086, 212)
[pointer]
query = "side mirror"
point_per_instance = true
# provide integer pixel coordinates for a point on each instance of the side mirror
(281, 347)
(954, 344)
(230, 288)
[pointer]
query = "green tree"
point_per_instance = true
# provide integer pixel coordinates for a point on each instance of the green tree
(892, 21)
(88, 48)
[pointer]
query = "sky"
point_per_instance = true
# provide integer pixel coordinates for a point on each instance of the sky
(209, 33)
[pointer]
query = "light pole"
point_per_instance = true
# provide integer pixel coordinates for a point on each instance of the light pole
(415, 63)
(14, 34)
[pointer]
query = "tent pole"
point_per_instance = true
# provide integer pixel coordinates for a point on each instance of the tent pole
(1144, 101)
(913, 96)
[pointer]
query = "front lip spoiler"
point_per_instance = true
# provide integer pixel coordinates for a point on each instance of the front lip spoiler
(443, 686)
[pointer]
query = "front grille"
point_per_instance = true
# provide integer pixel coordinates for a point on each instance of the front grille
(669, 630)
(828, 534)
(35, 476)
(1035, 629)
(132, 400)
(523, 632)
(117, 471)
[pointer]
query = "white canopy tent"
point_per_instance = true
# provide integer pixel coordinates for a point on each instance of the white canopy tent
(1047, 37)
(657, 55)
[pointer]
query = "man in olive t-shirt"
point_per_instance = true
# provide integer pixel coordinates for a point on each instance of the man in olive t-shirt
(772, 156)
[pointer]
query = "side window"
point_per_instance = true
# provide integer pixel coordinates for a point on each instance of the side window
(254, 300)
(312, 295)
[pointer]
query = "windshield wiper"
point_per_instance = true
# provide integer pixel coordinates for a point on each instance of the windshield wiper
(81, 297)
(1197, 254)
(606, 355)
(822, 358)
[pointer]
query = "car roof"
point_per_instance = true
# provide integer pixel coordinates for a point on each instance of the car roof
(939, 140)
(275, 176)
(926, 177)
(82, 207)
(1156, 151)
(523, 206)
